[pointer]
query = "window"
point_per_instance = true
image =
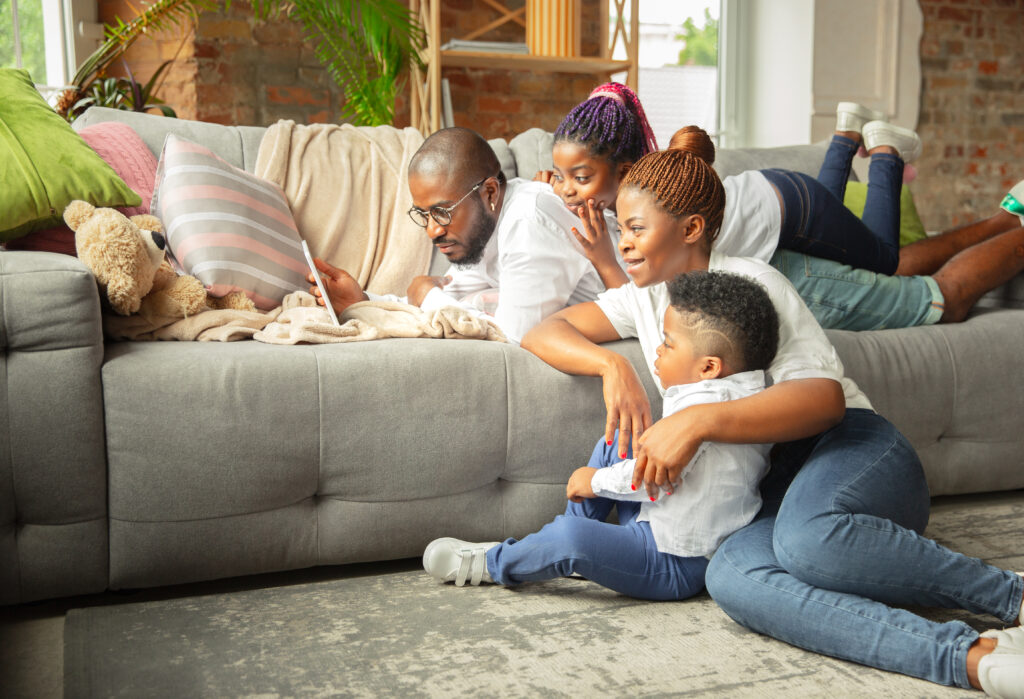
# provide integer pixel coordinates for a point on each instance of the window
(679, 65)
(39, 36)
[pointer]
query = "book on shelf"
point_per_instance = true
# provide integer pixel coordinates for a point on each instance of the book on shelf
(486, 46)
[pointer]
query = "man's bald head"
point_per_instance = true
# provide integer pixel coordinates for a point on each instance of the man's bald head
(460, 156)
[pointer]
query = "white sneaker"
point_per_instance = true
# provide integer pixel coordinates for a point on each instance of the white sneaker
(453, 560)
(1013, 203)
(851, 116)
(1001, 672)
(882, 133)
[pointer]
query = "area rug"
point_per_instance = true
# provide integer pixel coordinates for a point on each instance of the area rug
(403, 634)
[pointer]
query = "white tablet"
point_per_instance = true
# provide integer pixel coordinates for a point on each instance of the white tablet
(320, 283)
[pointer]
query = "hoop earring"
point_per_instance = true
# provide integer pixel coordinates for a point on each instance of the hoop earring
(492, 205)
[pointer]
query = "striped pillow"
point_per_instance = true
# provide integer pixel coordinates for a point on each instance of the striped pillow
(227, 227)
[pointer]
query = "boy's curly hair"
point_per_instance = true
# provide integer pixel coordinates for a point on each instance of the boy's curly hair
(729, 316)
(610, 123)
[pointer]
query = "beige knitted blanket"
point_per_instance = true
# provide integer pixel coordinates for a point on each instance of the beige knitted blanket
(348, 190)
(299, 320)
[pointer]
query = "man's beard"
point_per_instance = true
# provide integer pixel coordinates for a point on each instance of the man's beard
(481, 231)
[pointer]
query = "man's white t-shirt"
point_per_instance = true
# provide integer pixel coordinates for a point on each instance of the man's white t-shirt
(804, 351)
(532, 259)
(719, 490)
(752, 220)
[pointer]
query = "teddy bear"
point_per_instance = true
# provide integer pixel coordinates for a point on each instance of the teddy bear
(127, 257)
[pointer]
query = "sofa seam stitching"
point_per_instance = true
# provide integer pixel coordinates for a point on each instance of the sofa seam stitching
(508, 436)
(10, 442)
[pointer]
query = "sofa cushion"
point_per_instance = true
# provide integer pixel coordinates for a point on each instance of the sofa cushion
(230, 229)
(122, 149)
(44, 164)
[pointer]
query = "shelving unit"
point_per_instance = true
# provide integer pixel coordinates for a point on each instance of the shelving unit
(425, 84)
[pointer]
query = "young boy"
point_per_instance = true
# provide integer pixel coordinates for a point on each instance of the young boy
(720, 334)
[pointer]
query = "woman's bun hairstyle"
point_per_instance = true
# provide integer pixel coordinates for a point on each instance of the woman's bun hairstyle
(694, 139)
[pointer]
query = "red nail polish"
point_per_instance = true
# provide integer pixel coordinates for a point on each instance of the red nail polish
(652, 499)
(609, 442)
(622, 455)
(632, 486)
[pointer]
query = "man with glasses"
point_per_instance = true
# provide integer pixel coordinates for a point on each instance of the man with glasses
(510, 237)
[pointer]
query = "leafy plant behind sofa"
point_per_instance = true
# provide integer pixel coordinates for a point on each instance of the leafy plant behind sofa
(366, 45)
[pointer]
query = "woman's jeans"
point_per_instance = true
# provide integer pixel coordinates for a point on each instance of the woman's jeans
(622, 557)
(816, 222)
(839, 540)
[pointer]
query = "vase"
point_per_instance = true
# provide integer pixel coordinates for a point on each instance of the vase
(553, 27)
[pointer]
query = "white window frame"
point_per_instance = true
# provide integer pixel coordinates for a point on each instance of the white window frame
(71, 33)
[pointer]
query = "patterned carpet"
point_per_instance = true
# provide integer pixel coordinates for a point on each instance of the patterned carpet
(402, 634)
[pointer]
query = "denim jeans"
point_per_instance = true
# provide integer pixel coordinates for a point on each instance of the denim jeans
(622, 557)
(839, 540)
(816, 222)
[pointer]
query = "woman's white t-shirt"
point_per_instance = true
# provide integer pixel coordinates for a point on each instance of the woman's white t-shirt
(804, 351)
(752, 219)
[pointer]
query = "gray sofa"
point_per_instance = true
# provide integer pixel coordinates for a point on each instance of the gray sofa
(138, 464)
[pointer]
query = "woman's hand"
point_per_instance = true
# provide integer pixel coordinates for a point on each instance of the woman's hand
(420, 286)
(342, 289)
(665, 450)
(629, 410)
(597, 243)
(579, 489)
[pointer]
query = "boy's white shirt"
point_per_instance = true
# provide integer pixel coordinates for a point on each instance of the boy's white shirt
(804, 350)
(718, 491)
(532, 259)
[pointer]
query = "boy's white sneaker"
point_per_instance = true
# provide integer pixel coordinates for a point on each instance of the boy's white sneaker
(851, 116)
(881, 133)
(454, 560)
(1001, 672)
(1013, 202)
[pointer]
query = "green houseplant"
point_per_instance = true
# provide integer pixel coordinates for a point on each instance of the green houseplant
(366, 45)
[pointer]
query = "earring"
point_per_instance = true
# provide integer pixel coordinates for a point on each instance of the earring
(492, 205)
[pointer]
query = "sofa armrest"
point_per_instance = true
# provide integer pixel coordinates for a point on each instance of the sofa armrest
(53, 499)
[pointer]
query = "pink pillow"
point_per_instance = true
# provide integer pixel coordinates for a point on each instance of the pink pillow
(129, 156)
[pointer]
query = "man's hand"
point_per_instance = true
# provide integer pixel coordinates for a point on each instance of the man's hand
(544, 176)
(342, 289)
(420, 286)
(579, 488)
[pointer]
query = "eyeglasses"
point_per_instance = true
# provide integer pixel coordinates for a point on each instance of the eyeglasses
(442, 215)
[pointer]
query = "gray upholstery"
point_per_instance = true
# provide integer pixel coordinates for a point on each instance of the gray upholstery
(53, 479)
(238, 458)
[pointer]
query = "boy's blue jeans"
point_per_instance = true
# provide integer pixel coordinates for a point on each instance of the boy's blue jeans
(622, 557)
(816, 222)
(839, 540)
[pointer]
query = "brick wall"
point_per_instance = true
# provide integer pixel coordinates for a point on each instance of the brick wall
(972, 108)
(239, 70)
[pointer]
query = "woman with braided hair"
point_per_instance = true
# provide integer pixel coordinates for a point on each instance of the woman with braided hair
(839, 535)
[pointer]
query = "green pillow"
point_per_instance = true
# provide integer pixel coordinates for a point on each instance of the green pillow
(911, 228)
(44, 164)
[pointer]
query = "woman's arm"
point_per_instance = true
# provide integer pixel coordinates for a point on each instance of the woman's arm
(570, 341)
(789, 410)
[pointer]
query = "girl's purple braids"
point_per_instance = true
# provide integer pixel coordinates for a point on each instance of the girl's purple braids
(609, 123)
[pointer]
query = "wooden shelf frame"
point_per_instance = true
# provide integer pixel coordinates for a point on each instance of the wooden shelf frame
(425, 83)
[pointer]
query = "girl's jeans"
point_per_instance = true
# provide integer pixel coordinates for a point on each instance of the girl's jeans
(622, 557)
(839, 540)
(816, 222)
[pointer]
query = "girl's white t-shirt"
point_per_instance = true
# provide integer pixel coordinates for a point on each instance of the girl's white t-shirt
(804, 351)
(752, 219)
